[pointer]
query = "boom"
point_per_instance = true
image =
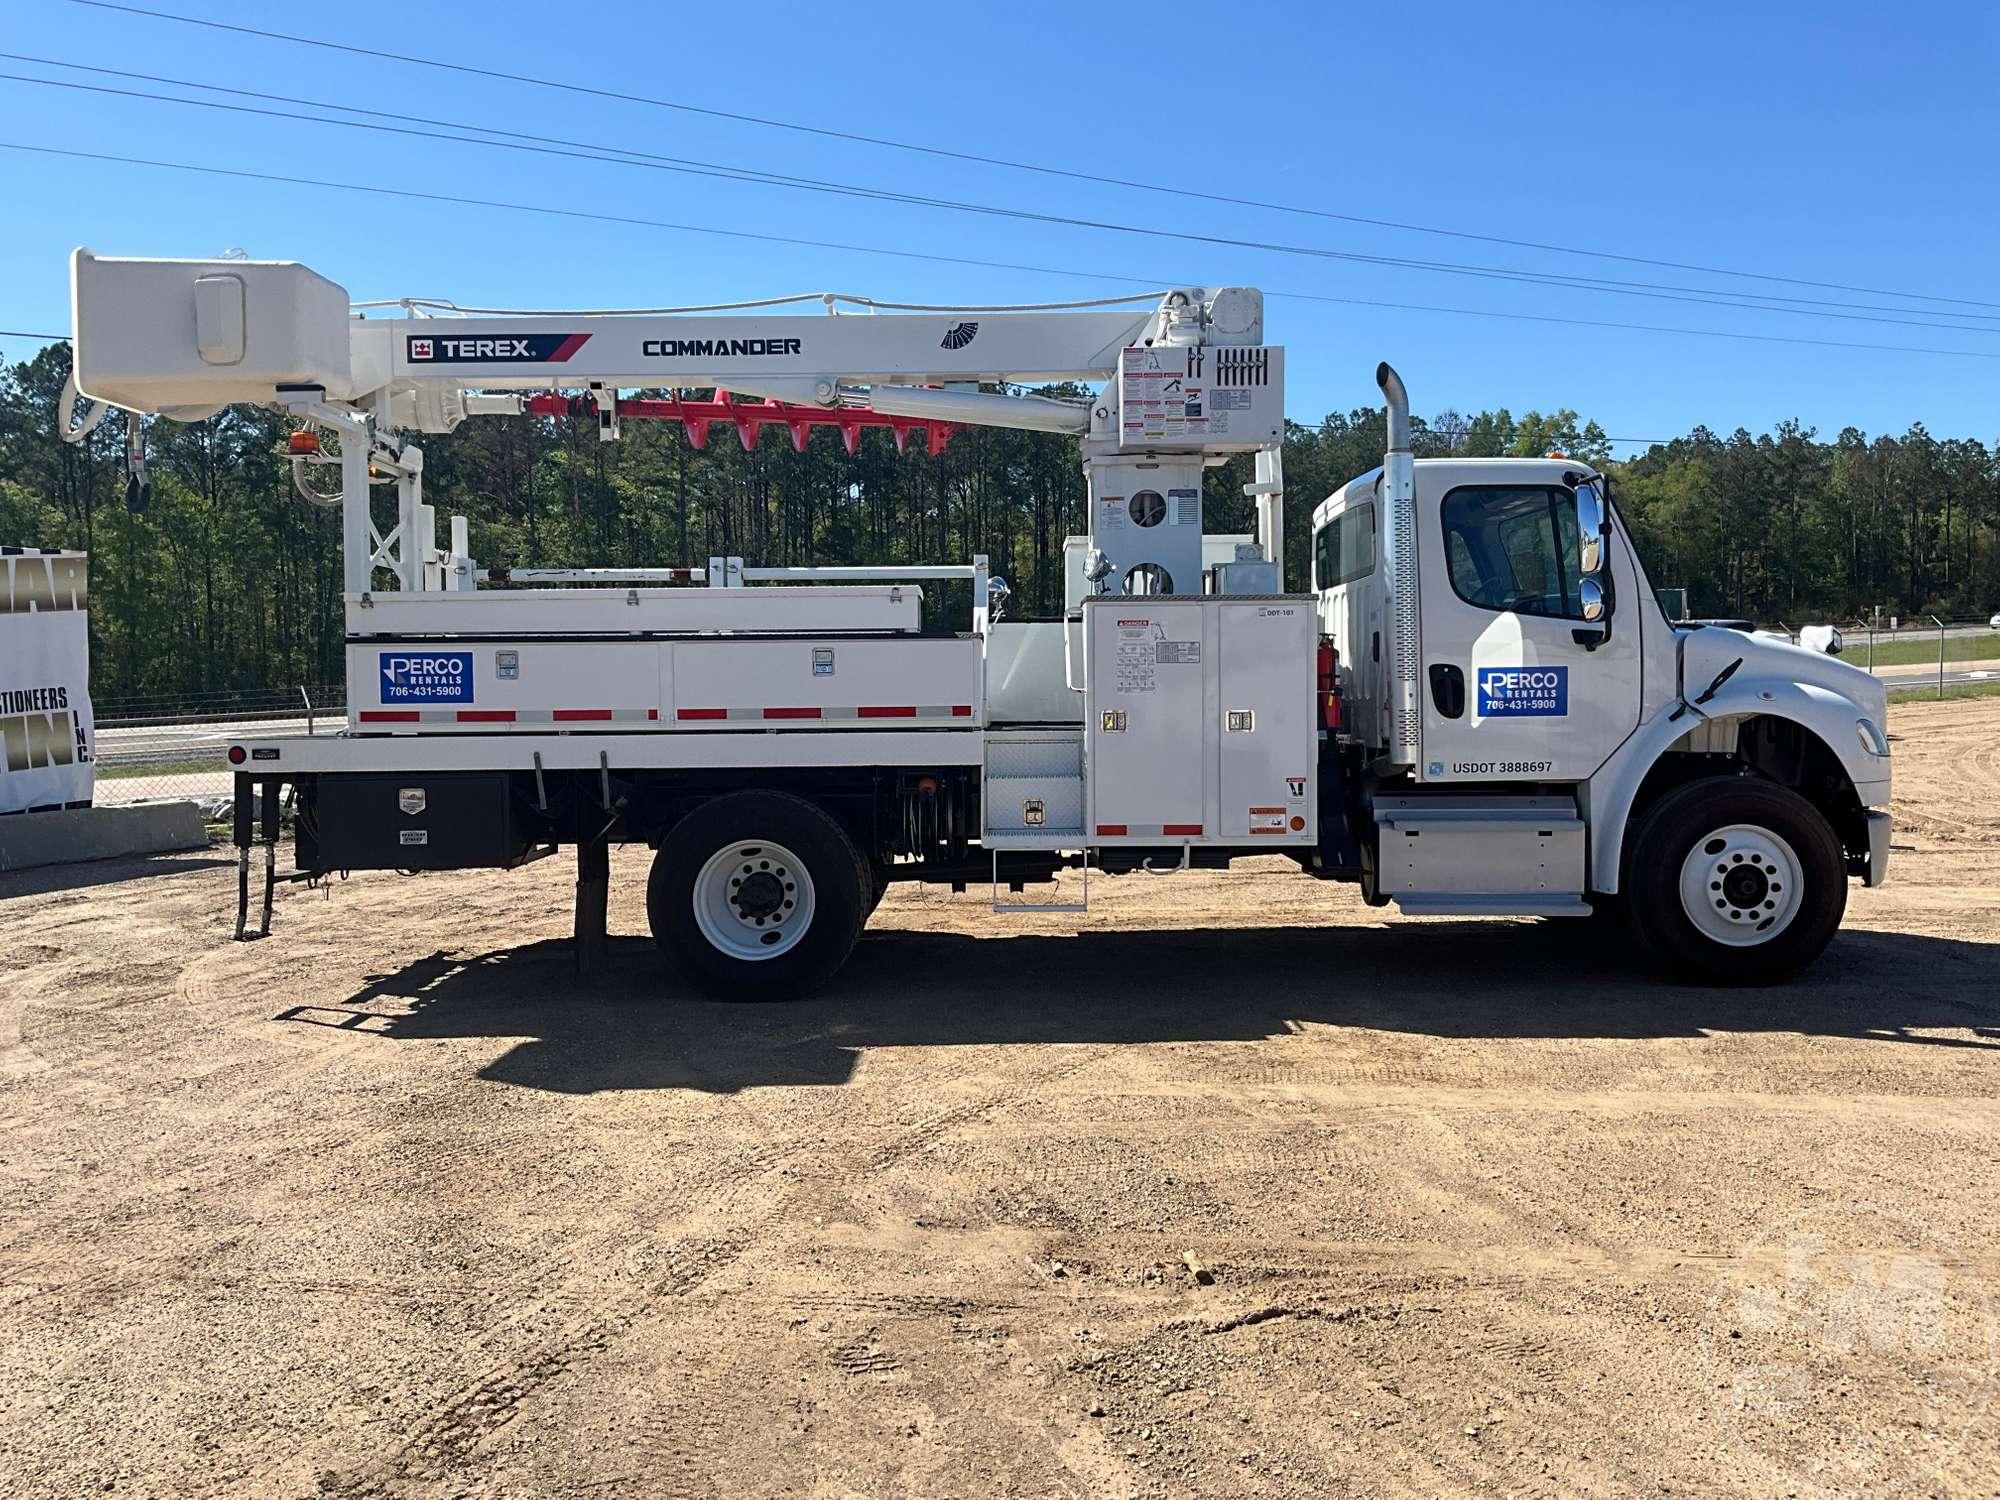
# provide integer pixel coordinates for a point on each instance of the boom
(1187, 379)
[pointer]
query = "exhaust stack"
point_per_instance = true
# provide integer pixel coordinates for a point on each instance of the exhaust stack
(1399, 503)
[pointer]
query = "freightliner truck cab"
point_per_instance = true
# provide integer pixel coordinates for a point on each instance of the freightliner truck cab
(1522, 731)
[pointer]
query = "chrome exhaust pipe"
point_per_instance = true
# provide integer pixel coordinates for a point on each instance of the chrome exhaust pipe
(1399, 407)
(1399, 501)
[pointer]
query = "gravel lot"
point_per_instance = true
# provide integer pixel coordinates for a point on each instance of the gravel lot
(1232, 1187)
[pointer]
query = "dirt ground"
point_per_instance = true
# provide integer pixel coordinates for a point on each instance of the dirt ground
(390, 1204)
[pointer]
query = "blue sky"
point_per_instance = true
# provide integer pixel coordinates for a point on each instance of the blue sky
(1853, 146)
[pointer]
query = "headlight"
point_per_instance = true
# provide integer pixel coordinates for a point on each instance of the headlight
(1872, 739)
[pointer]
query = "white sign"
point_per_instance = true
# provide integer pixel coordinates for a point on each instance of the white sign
(1199, 395)
(47, 736)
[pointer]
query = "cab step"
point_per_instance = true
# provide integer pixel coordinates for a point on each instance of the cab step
(1477, 904)
(1483, 856)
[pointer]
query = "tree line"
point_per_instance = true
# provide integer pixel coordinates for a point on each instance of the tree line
(229, 582)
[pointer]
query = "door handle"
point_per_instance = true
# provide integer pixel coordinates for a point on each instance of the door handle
(1448, 690)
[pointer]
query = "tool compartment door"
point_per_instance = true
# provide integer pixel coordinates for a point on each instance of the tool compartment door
(492, 686)
(1148, 702)
(1268, 738)
(885, 682)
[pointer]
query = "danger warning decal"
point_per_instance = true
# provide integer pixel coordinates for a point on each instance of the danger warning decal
(493, 348)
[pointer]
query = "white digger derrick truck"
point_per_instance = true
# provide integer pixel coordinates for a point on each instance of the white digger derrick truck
(1477, 707)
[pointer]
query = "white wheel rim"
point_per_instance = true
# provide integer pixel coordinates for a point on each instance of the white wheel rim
(753, 900)
(1741, 885)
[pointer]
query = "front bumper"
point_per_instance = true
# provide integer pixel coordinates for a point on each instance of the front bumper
(1879, 826)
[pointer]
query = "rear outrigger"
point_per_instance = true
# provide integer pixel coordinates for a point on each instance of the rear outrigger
(1478, 708)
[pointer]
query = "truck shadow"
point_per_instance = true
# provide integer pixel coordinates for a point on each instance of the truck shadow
(43, 880)
(639, 1026)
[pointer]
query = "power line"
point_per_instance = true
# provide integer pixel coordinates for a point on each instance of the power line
(555, 146)
(695, 168)
(1702, 333)
(754, 174)
(291, 180)
(947, 153)
(15, 333)
(759, 175)
(549, 211)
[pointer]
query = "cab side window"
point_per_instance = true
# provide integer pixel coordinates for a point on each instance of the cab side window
(1344, 548)
(1513, 549)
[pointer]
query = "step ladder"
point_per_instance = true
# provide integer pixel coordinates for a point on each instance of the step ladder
(1009, 907)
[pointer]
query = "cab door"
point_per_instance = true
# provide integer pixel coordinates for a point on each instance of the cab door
(1518, 684)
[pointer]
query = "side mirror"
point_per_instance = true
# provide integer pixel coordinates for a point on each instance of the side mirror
(1590, 594)
(1590, 534)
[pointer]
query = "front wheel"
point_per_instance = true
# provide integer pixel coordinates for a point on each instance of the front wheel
(757, 896)
(1734, 881)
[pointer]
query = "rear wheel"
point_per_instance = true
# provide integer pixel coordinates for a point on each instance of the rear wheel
(875, 884)
(757, 896)
(1733, 881)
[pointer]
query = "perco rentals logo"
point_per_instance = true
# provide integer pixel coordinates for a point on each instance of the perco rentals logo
(1523, 692)
(426, 676)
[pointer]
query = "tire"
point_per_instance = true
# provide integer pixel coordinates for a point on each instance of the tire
(1606, 911)
(1608, 926)
(878, 882)
(757, 896)
(1703, 875)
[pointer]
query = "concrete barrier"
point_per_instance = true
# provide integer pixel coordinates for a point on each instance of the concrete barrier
(68, 835)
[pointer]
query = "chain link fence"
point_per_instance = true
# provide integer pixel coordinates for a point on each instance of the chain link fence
(1928, 656)
(172, 748)
(1921, 656)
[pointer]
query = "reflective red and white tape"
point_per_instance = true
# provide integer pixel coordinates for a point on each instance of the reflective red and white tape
(889, 711)
(864, 711)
